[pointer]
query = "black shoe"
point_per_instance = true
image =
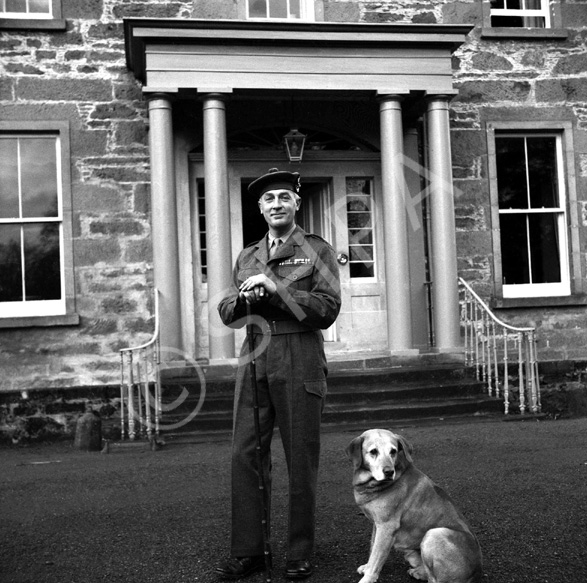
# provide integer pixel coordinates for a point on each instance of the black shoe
(237, 568)
(298, 569)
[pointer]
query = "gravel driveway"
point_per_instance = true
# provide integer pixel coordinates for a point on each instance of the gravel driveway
(140, 516)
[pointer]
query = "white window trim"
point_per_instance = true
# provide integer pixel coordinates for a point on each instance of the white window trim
(48, 312)
(568, 220)
(374, 278)
(307, 13)
(543, 12)
(562, 288)
(24, 308)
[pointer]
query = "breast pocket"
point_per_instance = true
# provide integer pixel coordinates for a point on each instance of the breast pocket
(298, 276)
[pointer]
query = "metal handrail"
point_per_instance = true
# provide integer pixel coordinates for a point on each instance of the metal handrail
(488, 347)
(139, 369)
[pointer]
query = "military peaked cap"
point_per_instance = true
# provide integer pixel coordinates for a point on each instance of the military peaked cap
(275, 180)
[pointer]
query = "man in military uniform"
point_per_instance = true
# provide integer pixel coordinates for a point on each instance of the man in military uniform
(290, 281)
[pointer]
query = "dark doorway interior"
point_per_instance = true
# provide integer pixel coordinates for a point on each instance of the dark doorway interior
(254, 225)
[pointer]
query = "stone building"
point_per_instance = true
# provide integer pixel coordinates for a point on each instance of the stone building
(443, 139)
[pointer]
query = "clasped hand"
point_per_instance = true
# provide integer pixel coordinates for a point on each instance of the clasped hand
(257, 288)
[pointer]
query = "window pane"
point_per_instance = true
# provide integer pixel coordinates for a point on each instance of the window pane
(514, 4)
(361, 253)
(15, 5)
(42, 262)
(9, 178)
(294, 8)
(360, 236)
(38, 177)
(511, 173)
(277, 8)
(533, 4)
(542, 172)
(497, 4)
(258, 8)
(534, 22)
(358, 220)
(10, 264)
(544, 248)
(39, 6)
(362, 270)
(507, 21)
(514, 249)
(358, 186)
(358, 203)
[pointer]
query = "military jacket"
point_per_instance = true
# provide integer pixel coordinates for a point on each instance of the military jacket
(305, 272)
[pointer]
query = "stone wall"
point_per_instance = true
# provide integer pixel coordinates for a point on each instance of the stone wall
(79, 75)
(517, 80)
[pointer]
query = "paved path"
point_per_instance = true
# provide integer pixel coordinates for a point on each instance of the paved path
(140, 516)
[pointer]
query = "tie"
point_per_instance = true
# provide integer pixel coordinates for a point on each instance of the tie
(275, 245)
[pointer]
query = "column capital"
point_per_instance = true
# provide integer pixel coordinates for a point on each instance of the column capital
(159, 101)
(159, 93)
(388, 97)
(441, 99)
(219, 95)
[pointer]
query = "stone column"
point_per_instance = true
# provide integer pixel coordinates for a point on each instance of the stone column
(397, 269)
(218, 247)
(443, 248)
(164, 221)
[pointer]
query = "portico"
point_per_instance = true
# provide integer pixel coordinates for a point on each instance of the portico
(402, 71)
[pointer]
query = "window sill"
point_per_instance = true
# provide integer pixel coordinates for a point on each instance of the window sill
(525, 33)
(565, 301)
(57, 24)
(40, 321)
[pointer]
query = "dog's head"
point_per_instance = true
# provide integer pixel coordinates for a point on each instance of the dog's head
(379, 454)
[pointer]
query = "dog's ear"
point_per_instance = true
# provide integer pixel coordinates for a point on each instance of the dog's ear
(406, 447)
(354, 451)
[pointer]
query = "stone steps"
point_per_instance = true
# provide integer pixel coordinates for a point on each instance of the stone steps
(354, 397)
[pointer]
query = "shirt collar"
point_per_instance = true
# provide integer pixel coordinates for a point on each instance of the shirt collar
(283, 238)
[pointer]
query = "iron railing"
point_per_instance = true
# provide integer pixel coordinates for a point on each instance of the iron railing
(140, 410)
(500, 353)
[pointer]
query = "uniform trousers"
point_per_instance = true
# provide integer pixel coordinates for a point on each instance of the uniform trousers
(291, 383)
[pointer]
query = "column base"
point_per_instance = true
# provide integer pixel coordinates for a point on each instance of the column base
(405, 352)
(456, 350)
(228, 362)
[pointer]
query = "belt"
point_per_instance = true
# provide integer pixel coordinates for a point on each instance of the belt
(286, 327)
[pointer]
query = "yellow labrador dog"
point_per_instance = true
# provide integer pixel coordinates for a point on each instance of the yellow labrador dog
(410, 513)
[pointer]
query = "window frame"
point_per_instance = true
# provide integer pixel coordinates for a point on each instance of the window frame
(54, 21)
(543, 12)
(373, 212)
(554, 30)
(67, 315)
(568, 197)
(307, 13)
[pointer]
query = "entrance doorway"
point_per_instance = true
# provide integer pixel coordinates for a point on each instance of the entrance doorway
(342, 203)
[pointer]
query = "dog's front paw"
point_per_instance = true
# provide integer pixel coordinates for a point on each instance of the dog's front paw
(367, 577)
(418, 573)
